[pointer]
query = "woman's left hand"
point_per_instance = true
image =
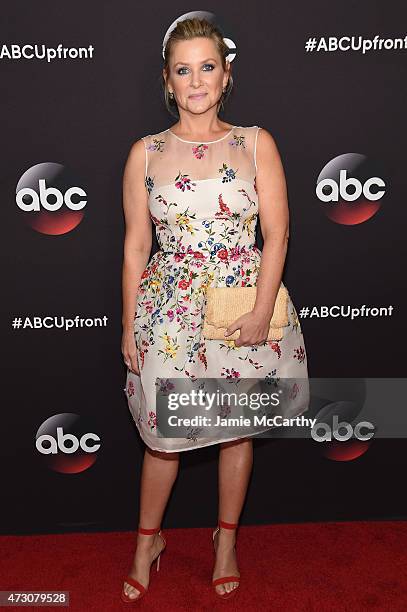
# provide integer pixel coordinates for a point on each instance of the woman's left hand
(253, 327)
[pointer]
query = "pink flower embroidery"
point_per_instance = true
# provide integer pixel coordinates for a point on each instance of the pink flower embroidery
(183, 182)
(152, 420)
(224, 208)
(130, 388)
(199, 151)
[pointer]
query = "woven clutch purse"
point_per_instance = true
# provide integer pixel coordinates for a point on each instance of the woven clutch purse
(226, 304)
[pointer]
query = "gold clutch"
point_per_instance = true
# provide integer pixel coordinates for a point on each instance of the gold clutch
(226, 304)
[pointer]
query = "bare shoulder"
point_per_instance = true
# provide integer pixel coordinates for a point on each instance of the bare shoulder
(266, 144)
(137, 152)
(135, 164)
(266, 154)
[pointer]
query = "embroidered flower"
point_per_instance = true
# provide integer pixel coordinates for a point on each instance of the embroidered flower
(223, 207)
(130, 388)
(164, 385)
(183, 284)
(156, 145)
(230, 174)
(238, 141)
(199, 151)
(179, 257)
(218, 246)
(183, 220)
(222, 254)
(152, 420)
(294, 391)
(230, 374)
(171, 347)
(299, 354)
(149, 183)
(183, 182)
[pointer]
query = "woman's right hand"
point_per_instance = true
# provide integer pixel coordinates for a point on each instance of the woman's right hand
(129, 351)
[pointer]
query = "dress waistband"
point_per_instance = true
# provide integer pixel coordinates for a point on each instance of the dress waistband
(220, 252)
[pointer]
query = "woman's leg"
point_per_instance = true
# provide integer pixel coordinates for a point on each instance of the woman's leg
(158, 476)
(235, 466)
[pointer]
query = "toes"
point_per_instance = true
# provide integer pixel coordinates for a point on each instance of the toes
(227, 587)
(131, 591)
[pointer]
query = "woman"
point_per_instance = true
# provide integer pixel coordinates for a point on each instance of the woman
(203, 183)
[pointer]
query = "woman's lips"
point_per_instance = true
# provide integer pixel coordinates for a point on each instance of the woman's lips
(197, 96)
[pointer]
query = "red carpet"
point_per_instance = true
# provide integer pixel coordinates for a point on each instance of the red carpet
(302, 567)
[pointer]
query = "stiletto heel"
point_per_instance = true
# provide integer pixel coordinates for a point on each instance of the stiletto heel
(135, 583)
(224, 579)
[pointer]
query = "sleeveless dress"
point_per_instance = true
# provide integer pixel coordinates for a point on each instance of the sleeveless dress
(203, 202)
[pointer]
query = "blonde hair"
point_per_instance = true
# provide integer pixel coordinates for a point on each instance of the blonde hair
(185, 30)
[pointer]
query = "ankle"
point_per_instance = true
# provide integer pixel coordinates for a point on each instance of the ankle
(147, 542)
(227, 525)
(226, 538)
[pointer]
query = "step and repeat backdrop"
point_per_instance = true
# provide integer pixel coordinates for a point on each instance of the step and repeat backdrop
(81, 83)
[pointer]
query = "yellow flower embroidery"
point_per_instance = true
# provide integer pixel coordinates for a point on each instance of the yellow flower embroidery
(247, 223)
(184, 222)
(170, 348)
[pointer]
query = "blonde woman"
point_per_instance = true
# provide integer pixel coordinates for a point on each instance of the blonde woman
(203, 183)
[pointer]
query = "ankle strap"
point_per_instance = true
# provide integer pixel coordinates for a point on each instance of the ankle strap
(227, 525)
(148, 531)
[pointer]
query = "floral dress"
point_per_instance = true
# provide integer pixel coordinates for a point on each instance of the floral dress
(203, 202)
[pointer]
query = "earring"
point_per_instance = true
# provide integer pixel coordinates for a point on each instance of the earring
(171, 95)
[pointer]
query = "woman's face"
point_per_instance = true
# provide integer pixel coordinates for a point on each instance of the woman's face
(196, 74)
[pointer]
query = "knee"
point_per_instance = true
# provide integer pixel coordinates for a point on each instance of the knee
(161, 455)
(242, 443)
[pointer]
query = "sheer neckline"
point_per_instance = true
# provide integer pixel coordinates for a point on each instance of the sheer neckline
(202, 141)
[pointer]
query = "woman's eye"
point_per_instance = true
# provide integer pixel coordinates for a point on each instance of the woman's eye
(210, 66)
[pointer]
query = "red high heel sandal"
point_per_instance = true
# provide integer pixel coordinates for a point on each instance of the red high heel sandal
(224, 579)
(135, 583)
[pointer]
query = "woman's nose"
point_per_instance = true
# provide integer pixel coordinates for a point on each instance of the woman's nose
(196, 79)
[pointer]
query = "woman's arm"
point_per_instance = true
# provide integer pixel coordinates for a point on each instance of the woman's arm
(274, 222)
(138, 237)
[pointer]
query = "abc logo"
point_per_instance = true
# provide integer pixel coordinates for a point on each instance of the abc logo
(67, 444)
(50, 199)
(342, 190)
(41, 198)
(349, 188)
(322, 432)
(62, 438)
